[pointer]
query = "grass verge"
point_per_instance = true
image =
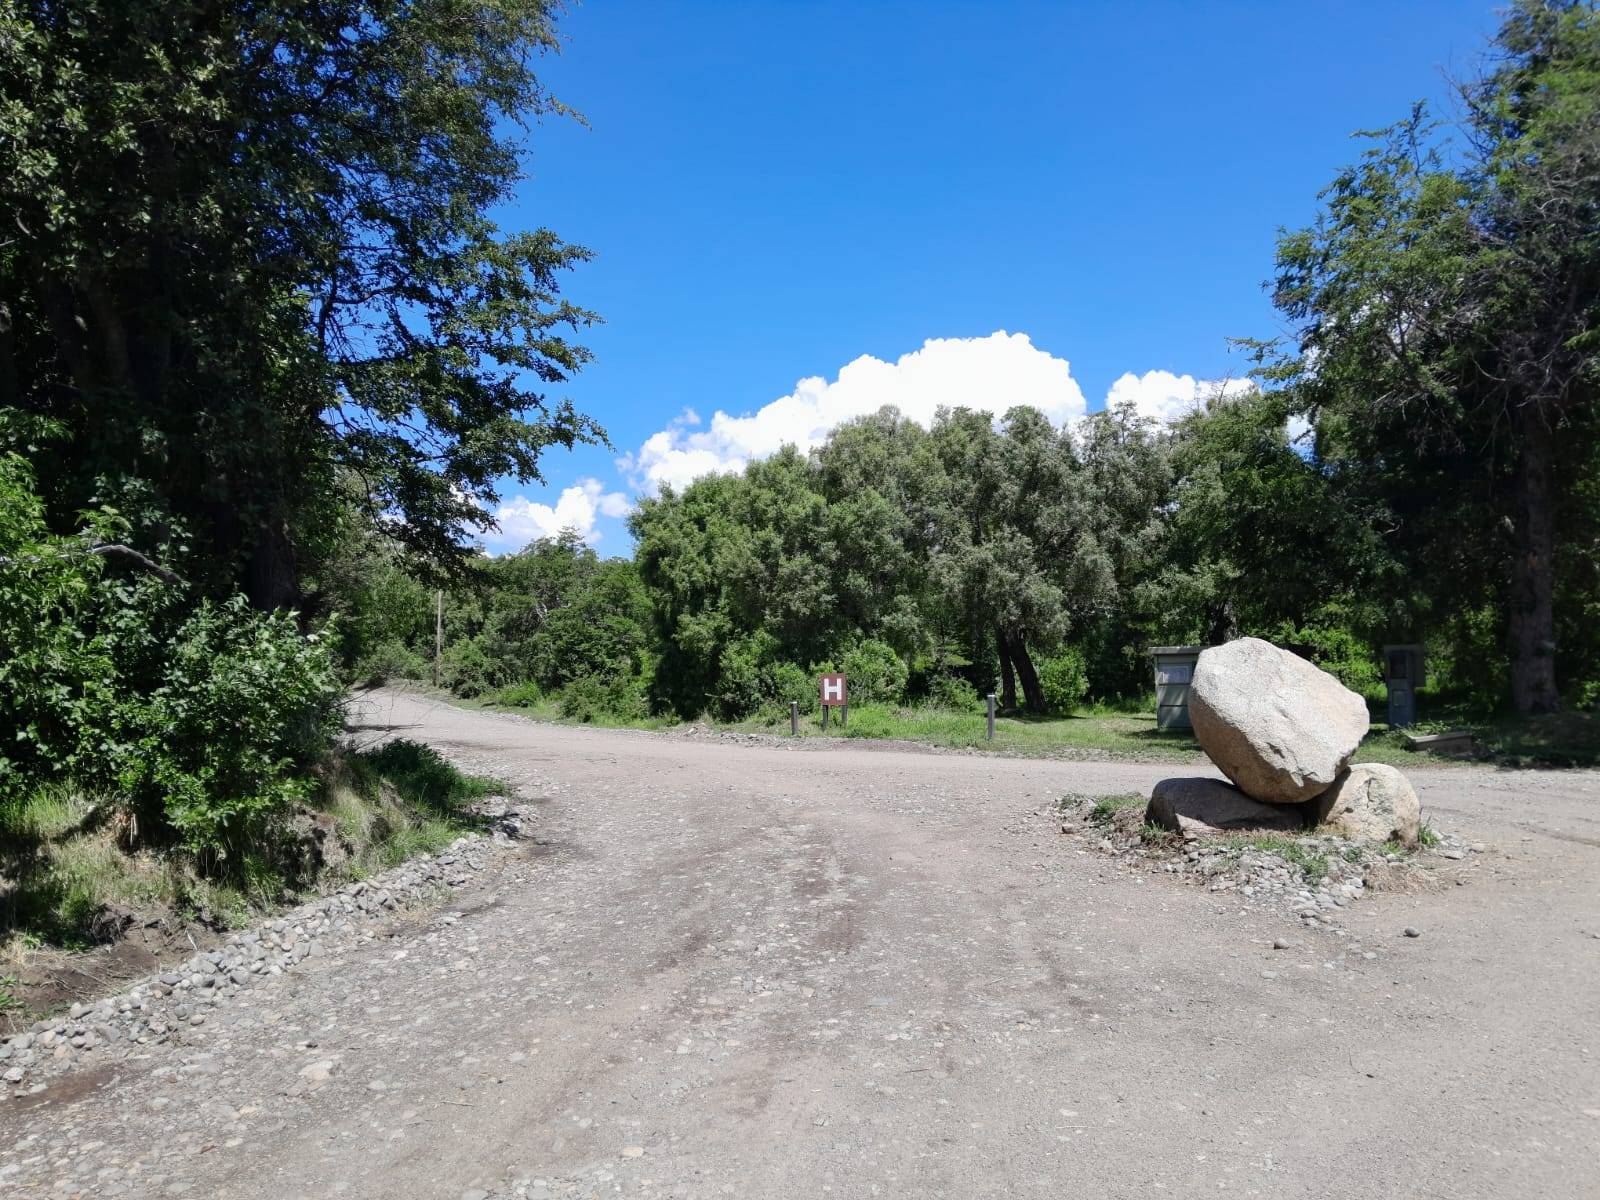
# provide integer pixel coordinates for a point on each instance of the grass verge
(1108, 731)
(1113, 732)
(68, 882)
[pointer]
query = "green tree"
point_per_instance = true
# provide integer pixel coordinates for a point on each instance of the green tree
(1128, 472)
(248, 252)
(1261, 535)
(1447, 313)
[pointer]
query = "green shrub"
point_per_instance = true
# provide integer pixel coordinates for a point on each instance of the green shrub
(245, 706)
(1337, 650)
(391, 660)
(594, 699)
(1064, 680)
(742, 678)
(58, 673)
(585, 700)
(790, 681)
(875, 673)
(953, 692)
(525, 694)
(467, 670)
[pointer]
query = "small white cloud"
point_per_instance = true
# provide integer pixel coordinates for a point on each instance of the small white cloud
(993, 374)
(614, 504)
(522, 520)
(1168, 398)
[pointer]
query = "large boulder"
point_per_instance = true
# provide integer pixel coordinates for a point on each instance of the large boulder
(1371, 802)
(1197, 806)
(1279, 727)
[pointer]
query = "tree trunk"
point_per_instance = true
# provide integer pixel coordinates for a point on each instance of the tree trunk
(1033, 694)
(1532, 609)
(271, 581)
(1222, 625)
(10, 397)
(1008, 674)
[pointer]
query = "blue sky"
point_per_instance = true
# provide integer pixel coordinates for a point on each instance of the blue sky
(774, 190)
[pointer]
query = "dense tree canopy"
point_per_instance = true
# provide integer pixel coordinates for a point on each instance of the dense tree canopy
(247, 252)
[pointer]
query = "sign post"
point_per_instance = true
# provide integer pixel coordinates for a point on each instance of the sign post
(991, 716)
(438, 633)
(834, 694)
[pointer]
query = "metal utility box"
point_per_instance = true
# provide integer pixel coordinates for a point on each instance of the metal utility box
(1402, 675)
(1174, 670)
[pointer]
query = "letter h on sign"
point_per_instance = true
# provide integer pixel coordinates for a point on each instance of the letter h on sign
(833, 690)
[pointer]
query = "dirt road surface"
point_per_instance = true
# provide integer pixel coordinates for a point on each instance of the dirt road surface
(763, 971)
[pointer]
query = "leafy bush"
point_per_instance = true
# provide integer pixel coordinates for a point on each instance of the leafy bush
(1336, 649)
(875, 673)
(524, 694)
(791, 682)
(57, 673)
(245, 706)
(390, 660)
(467, 670)
(1064, 679)
(953, 692)
(742, 678)
(596, 699)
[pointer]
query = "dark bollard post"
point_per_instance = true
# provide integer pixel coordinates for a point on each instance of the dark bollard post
(794, 718)
(844, 715)
(991, 716)
(824, 718)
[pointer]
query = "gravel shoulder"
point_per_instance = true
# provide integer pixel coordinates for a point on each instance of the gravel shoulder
(767, 970)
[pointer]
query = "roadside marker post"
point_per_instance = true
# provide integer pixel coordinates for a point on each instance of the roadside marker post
(794, 718)
(438, 633)
(991, 715)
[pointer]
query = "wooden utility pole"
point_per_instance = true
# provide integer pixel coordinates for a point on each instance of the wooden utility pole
(438, 632)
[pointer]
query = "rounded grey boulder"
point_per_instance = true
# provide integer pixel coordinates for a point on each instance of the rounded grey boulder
(1199, 805)
(1281, 728)
(1371, 802)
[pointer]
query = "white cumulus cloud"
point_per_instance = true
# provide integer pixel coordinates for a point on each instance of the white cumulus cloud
(991, 373)
(523, 520)
(1167, 398)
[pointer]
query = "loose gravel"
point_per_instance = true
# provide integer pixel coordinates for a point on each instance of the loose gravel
(157, 1011)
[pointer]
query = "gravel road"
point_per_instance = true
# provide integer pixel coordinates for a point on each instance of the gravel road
(764, 971)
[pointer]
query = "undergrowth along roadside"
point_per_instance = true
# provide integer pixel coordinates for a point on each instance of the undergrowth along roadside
(68, 880)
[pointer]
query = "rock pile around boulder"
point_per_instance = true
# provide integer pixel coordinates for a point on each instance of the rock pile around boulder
(1284, 731)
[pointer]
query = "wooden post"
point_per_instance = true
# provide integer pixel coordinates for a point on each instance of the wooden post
(794, 718)
(824, 718)
(844, 715)
(991, 716)
(438, 633)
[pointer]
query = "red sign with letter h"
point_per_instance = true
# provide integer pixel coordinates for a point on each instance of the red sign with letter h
(833, 692)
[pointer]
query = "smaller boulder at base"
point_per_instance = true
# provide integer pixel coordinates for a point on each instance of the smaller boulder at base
(1371, 802)
(1197, 806)
(1280, 727)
